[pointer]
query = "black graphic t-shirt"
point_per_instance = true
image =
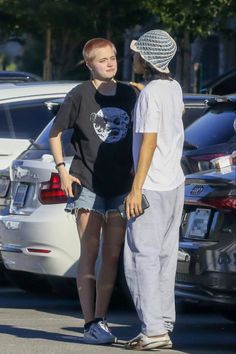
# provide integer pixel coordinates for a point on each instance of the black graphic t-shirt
(102, 137)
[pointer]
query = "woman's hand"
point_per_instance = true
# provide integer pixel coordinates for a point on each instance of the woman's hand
(133, 204)
(66, 182)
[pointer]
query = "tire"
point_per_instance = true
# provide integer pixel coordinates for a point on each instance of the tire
(63, 287)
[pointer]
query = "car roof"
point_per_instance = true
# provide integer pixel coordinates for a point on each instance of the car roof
(17, 76)
(229, 100)
(35, 89)
(216, 81)
(231, 97)
(196, 100)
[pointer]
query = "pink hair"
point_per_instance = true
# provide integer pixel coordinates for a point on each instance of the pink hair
(93, 44)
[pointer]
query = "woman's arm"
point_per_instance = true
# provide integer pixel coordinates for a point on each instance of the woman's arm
(56, 148)
(134, 199)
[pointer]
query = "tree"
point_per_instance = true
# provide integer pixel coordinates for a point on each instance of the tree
(187, 20)
(68, 24)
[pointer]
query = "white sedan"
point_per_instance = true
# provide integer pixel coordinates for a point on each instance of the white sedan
(38, 236)
(24, 112)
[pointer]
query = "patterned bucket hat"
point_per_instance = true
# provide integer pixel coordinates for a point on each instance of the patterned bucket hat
(156, 47)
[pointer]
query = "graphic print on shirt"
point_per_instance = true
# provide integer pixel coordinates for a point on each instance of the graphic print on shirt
(110, 124)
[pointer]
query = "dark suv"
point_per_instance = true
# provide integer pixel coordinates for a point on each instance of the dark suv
(211, 136)
(206, 269)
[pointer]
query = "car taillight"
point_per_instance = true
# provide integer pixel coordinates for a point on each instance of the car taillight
(220, 203)
(204, 161)
(51, 192)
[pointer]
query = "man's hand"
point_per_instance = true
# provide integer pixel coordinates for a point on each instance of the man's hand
(133, 204)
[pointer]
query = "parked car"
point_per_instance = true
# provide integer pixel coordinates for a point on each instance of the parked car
(25, 109)
(206, 269)
(222, 85)
(38, 237)
(17, 76)
(210, 136)
(195, 106)
(24, 112)
(19, 105)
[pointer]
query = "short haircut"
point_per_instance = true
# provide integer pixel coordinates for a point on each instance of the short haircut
(95, 43)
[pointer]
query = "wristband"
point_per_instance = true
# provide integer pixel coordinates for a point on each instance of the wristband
(60, 164)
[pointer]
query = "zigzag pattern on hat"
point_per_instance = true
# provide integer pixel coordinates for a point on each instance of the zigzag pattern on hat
(157, 47)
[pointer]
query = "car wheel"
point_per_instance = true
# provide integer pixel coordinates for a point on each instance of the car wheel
(63, 287)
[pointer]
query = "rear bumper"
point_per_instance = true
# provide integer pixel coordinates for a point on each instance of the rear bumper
(198, 294)
(208, 274)
(46, 242)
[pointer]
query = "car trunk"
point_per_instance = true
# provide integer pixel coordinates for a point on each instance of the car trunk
(35, 182)
(208, 229)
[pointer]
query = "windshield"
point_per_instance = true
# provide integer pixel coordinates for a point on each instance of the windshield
(23, 120)
(42, 142)
(214, 127)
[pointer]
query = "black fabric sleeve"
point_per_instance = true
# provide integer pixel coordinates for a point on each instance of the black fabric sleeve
(66, 116)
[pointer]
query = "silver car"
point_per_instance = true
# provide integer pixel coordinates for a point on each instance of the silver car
(38, 237)
(23, 114)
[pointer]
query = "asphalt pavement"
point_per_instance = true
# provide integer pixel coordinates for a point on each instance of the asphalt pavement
(47, 325)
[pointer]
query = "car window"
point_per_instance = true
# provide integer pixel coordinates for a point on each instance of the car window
(42, 142)
(226, 86)
(191, 114)
(23, 120)
(214, 127)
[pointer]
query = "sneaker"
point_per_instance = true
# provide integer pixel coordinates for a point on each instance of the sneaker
(99, 333)
(143, 342)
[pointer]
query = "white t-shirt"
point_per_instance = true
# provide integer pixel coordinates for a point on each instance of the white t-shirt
(159, 109)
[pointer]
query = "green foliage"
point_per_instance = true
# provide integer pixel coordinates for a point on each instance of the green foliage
(73, 22)
(194, 17)
(83, 18)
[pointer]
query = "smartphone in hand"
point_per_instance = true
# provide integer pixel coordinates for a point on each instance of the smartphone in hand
(76, 189)
(121, 208)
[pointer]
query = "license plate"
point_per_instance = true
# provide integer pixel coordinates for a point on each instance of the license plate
(4, 185)
(198, 222)
(20, 195)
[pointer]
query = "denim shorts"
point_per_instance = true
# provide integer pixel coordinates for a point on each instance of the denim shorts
(92, 202)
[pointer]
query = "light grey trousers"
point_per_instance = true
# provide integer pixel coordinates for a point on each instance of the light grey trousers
(150, 259)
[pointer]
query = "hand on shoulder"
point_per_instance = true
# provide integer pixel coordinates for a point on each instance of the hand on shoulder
(138, 85)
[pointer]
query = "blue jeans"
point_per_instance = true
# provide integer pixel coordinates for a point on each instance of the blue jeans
(92, 202)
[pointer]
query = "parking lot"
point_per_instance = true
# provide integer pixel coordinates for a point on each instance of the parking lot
(47, 325)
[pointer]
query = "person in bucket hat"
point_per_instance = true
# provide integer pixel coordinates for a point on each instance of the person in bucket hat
(157, 48)
(151, 245)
